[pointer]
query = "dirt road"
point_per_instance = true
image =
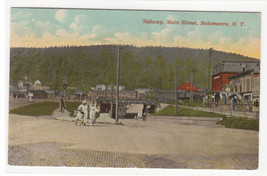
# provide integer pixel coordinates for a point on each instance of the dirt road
(157, 142)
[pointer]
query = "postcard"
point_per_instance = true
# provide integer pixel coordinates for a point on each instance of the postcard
(122, 88)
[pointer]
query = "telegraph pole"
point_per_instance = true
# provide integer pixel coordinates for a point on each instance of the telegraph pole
(111, 103)
(56, 85)
(28, 81)
(210, 53)
(118, 83)
(192, 87)
(171, 80)
(176, 98)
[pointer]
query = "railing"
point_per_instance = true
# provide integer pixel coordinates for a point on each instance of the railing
(238, 110)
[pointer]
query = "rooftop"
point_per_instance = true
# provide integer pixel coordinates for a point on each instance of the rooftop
(242, 73)
(236, 66)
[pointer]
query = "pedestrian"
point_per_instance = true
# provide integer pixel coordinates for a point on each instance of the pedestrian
(82, 113)
(92, 114)
(62, 104)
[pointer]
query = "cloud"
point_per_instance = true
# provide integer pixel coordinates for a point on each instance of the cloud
(60, 15)
(21, 28)
(43, 25)
(20, 15)
(73, 26)
(101, 35)
(79, 24)
(77, 19)
(61, 38)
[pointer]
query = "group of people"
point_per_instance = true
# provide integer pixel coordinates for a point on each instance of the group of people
(87, 113)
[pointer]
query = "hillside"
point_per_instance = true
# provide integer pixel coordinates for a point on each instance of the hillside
(88, 65)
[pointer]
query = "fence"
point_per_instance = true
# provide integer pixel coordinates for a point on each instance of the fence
(238, 110)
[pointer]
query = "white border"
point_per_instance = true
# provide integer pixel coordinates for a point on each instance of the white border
(249, 6)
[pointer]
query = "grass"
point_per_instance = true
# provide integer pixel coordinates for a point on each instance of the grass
(71, 106)
(195, 103)
(188, 103)
(170, 111)
(240, 123)
(36, 109)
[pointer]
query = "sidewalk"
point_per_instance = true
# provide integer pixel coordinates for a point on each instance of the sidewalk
(227, 112)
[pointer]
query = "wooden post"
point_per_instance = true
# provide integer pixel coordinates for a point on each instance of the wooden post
(118, 83)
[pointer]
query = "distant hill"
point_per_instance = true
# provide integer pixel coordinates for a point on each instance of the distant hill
(89, 65)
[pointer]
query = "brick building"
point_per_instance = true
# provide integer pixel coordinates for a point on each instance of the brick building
(227, 77)
(247, 85)
(223, 70)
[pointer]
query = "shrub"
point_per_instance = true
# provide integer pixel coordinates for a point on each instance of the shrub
(71, 106)
(240, 123)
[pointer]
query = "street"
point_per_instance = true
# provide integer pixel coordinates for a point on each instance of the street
(158, 142)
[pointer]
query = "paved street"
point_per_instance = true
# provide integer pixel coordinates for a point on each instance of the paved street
(158, 142)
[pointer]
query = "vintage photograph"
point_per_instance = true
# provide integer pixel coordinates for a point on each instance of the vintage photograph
(134, 88)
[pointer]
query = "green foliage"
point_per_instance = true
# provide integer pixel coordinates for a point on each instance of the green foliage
(240, 123)
(170, 111)
(36, 109)
(141, 67)
(187, 103)
(150, 96)
(195, 103)
(71, 106)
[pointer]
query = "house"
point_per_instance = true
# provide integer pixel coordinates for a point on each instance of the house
(39, 94)
(20, 84)
(114, 87)
(188, 87)
(79, 95)
(37, 85)
(225, 69)
(100, 87)
(246, 86)
(222, 91)
(141, 93)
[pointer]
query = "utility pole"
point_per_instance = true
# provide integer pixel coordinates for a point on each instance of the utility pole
(28, 81)
(118, 83)
(111, 103)
(192, 87)
(171, 80)
(176, 98)
(210, 53)
(56, 85)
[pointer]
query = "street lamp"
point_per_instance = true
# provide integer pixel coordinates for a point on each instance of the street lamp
(65, 84)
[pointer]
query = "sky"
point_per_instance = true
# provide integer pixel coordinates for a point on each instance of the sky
(39, 27)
